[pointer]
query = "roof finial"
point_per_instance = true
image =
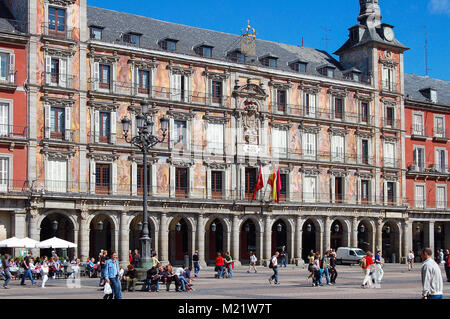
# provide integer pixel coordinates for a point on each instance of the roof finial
(248, 29)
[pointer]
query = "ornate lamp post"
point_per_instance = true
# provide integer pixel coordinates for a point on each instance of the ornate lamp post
(145, 141)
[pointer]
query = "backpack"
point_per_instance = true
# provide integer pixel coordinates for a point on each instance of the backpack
(270, 264)
(363, 263)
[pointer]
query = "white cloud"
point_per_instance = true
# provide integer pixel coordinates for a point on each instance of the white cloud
(439, 6)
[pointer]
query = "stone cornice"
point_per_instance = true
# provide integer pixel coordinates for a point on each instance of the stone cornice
(310, 89)
(180, 162)
(337, 172)
(181, 116)
(103, 58)
(337, 92)
(389, 138)
(103, 157)
(309, 128)
(309, 170)
(388, 62)
(54, 154)
(60, 52)
(287, 170)
(249, 90)
(338, 131)
(364, 175)
(216, 75)
(180, 70)
(215, 119)
(143, 64)
(215, 165)
(139, 159)
(389, 102)
(103, 106)
(390, 177)
(54, 101)
(281, 126)
(63, 3)
(280, 85)
(363, 134)
(363, 97)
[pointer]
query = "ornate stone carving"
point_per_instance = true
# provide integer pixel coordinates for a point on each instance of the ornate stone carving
(363, 97)
(389, 138)
(103, 58)
(103, 106)
(287, 170)
(363, 134)
(216, 75)
(139, 159)
(54, 102)
(143, 64)
(215, 165)
(180, 162)
(250, 123)
(215, 119)
(180, 70)
(338, 131)
(337, 92)
(34, 212)
(310, 170)
(58, 52)
(281, 126)
(390, 63)
(63, 3)
(364, 175)
(310, 89)
(249, 91)
(280, 85)
(181, 116)
(84, 214)
(390, 177)
(389, 102)
(338, 172)
(102, 157)
(53, 154)
(309, 128)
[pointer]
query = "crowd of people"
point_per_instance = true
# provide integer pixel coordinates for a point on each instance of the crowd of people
(320, 267)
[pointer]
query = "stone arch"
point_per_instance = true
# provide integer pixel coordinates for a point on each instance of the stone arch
(340, 238)
(67, 213)
(182, 241)
(366, 235)
(250, 239)
(218, 240)
(135, 234)
(287, 235)
(104, 238)
(312, 234)
(390, 241)
(67, 229)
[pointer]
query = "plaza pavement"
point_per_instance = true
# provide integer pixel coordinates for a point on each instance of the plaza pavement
(398, 283)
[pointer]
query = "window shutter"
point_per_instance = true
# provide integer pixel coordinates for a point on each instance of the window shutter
(96, 76)
(219, 138)
(47, 114)
(385, 78)
(175, 133)
(48, 69)
(112, 78)
(113, 127)
(4, 123)
(176, 94)
(68, 123)
(63, 73)
(3, 174)
(282, 141)
(312, 104)
(113, 181)
(11, 68)
(436, 159)
(96, 125)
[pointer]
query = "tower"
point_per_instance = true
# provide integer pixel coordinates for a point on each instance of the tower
(369, 14)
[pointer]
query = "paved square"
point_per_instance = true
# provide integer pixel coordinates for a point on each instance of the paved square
(397, 283)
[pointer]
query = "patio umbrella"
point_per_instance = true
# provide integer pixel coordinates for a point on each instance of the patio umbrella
(10, 242)
(55, 243)
(27, 243)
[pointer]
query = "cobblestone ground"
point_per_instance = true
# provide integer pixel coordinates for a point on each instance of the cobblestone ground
(398, 283)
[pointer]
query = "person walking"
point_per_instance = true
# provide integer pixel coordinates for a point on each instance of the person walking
(253, 261)
(310, 266)
(44, 272)
(316, 270)
(324, 263)
(283, 255)
(333, 271)
(136, 259)
(365, 264)
(102, 262)
(410, 260)
(6, 263)
(219, 265)
(379, 272)
(27, 270)
(432, 282)
(229, 265)
(447, 264)
(112, 275)
(195, 259)
(274, 265)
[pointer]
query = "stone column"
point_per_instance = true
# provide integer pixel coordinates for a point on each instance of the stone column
(298, 241)
(83, 237)
(201, 240)
(354, 234)
(164, 240)
(379, 236)
(124, 237)
(235, 240)
(326, 234)
(19, 226)
(429, 236)
(267, 241)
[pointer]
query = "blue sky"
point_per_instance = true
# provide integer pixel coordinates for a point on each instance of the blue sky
(289, 21)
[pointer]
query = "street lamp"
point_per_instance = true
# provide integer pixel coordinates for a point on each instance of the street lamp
(418, 229)
(336, 228)
(100, 225)
(362, 229)
(145, 141)
(308, 228)
(247, 228)
(213, 227)
(388, 230)
(439, 229)
(279, 228)
(139, 226)
(178, 227)
(55, 225)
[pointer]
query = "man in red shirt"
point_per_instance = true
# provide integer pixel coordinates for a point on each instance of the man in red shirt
(367, 282)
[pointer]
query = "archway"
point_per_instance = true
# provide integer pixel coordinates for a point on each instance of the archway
(101, 231)
(279, 236)
(439, 236)
(310, 238)
(365, 235)
(418, 236)
(248, 240)
(215, 233)
(337, 235)
(135, 233)
(57, 225)
(390, 242)
(180, 241)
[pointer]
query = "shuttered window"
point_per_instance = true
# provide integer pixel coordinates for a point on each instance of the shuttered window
(214, 138)
(309, 189)
(4, 174)
(309, 101)
(337, 148)
(56, 176)
(279, 145)
(441, 201)
(389, 156)
(420, 196)
(4, 119)
(309, 146)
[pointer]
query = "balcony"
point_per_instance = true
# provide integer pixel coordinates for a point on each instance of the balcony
(13, 131)
(9, 83)
(426, 204)
(390, 123)
(62, 33)
(390, 86)
(58, 81)
(441, 135)
(427, 169)
(391, 162)
(418, 132)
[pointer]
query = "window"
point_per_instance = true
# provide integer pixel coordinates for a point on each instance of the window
(420, 196)
(283, 190)
(364, 191)
(269, 61)
(279, 145)
(419, 158)
(237, 56)
(251, 175)
(6, 66)
(388, 79)
(309, 146)
(439, 126)
(102, 178)
(364, 112)
(299, 67)
(309, 100)
(389, 155)
(105, 76)
(365, 151)
(56, 72)
(132, 38)
(441, 200)
(214, 138)
(338, 189)
(216, 91)
(390, 192)
(281, 100)
(330, 72)
(140, 180)
(205, 51)
(4, 174)
(216, 184)
(177, 92)
(418, 128)
(309, 189)
(143, 82)
(169, 45)
(338, 107)
(337, 148)
(179, 131)
(105, 127)
(56, 176)
(181, 182)
(389, 121)
(441, 160)
(96, 33)
(56, 20)
(57, 122)
(4, 119)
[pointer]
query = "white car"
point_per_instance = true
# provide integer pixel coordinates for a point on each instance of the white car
(349, 255)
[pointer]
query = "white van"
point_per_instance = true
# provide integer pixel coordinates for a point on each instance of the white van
(349, 255)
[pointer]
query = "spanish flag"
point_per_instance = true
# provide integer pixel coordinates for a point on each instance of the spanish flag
(259, 184)
(275, 181)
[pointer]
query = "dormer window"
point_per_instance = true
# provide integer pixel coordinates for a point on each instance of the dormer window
(168, 44)
(96, 33)
(298, 66)
(327, 71)
(132, 38)
(204, 50)
(433, 96)
(270, 61)
(353, 74)
(237, 56)
(330, 72)
(430, 94)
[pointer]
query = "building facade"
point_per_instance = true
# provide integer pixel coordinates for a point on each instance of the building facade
(236, 104)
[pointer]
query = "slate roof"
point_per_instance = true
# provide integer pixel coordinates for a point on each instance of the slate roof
(414, 83)
(116, 23)
(7, 22)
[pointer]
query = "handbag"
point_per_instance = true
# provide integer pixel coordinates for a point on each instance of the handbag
(107, 290)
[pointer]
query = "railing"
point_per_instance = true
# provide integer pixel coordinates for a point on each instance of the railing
(389, 86)
(418, 130)
(11, 78)
(391, 162)
(427, 168)
(59, 80)
(391, 123)
(419, 203)
(61, 32)
(441, 133)
(13, 131)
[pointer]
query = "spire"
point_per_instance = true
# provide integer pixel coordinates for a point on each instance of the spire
(370, 14)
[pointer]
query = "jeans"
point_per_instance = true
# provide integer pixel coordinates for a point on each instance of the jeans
(379, 273)
(326, 274)
(316, 278)
(333, 275)
(116, 287)
(219, 271)
(283, 262)
(447, 272)
(184, 282)
(435, 297)
(27, 273)
(228, 270)
(7, 278)
(196, 267)
(275, 274)
(151, 282)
